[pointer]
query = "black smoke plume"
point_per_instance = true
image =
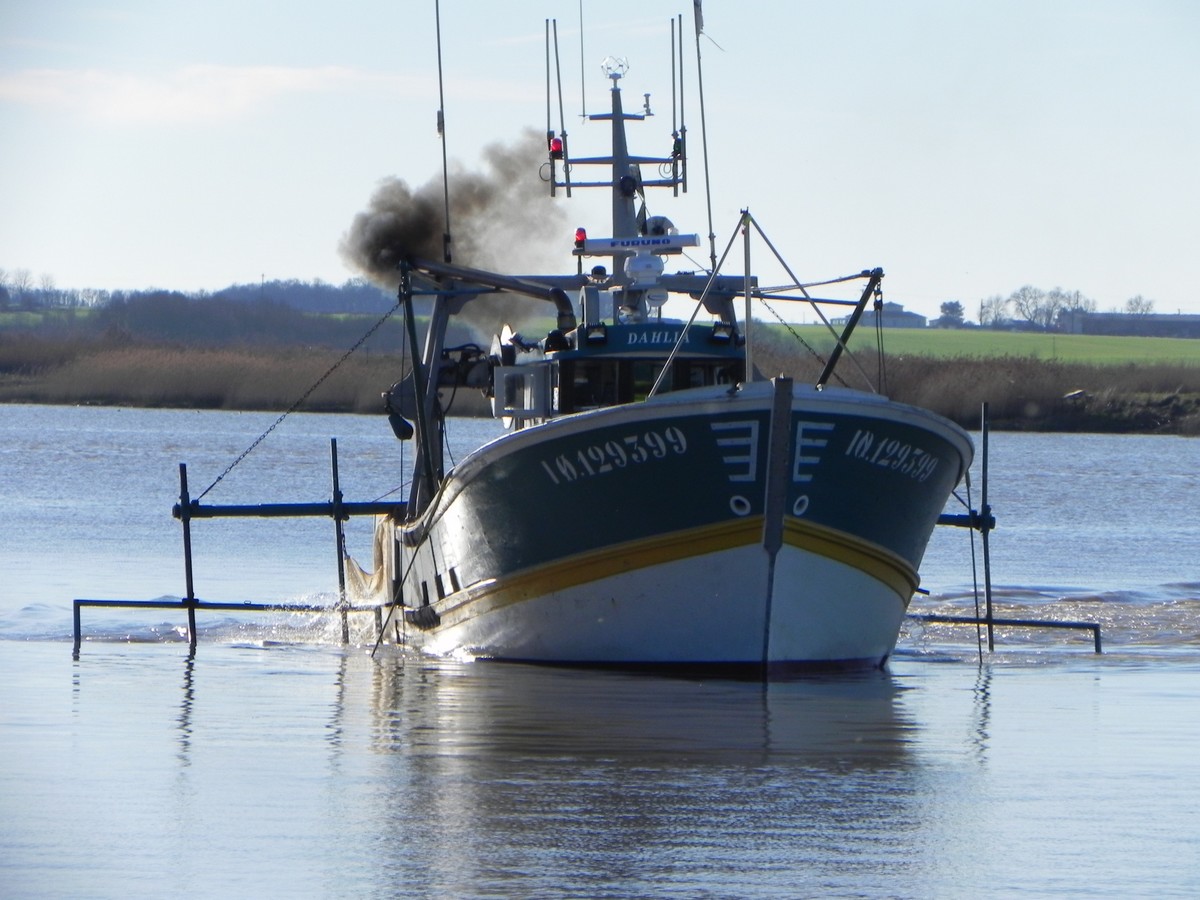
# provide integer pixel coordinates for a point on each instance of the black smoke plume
(501, 219)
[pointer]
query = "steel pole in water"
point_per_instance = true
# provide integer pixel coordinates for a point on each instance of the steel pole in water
(190, 600)
(985, 515)
(340, 537)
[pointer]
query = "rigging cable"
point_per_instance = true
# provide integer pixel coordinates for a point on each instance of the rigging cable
(974, 574)
(966, 504)
(300, 402)
(817, 309)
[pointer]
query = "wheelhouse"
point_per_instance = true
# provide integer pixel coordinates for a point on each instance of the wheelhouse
(613, 365)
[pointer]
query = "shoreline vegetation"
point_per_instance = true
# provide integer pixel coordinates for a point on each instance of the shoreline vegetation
(1028, 393)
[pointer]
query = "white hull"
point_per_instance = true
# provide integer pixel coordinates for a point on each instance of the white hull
(722, 551)
(821, 612)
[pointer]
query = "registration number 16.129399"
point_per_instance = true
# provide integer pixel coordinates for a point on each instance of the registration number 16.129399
(617, 453)
(892, 454)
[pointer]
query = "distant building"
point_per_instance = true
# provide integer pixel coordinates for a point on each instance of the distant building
(1143, 325)
(893, 316)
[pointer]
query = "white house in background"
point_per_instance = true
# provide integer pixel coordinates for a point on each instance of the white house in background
(893, 316)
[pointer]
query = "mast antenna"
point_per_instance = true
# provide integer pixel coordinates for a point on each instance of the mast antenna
(562, 121)
(441, 130)
(712, 237)
(681, 137)
(582, 75)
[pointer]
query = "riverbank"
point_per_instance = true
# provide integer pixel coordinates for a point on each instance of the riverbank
(1023, 393)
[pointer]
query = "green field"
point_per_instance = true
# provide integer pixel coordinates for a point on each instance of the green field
(931, 342)
(40, 318)
(977, 343)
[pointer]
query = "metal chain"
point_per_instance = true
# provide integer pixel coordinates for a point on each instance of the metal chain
(800, 340)
(880, 356)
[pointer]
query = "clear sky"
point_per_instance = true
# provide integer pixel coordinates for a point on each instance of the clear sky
(968, 148)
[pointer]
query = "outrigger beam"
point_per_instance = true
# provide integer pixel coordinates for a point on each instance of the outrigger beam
(342, 511)
(875, 277)
(566, 312)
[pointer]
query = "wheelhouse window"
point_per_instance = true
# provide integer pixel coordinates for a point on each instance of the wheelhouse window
(593, 383)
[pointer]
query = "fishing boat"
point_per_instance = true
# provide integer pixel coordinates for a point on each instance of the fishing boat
(653, 501)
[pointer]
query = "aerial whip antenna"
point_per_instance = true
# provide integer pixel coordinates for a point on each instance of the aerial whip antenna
(562, 121)
(582, 76)
(678, 128)
(441, 130)
(712, 237)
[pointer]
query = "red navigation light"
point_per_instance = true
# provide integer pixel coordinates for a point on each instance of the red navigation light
(556, 148)
(580, 237)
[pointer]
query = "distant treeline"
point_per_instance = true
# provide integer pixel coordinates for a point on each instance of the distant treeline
(217, 320)
(222, 321)
(355, 295)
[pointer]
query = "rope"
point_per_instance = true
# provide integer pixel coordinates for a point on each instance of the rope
(974, 578)
(295, 406)
(966, 504)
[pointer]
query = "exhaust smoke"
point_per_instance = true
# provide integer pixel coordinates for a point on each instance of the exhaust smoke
(500, 219)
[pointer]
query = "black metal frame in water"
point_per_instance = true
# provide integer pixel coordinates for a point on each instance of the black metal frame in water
(188, 509)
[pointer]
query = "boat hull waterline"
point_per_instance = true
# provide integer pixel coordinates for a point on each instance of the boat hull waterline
(771, 525)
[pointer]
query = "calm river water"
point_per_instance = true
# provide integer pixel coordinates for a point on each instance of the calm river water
(279, 763)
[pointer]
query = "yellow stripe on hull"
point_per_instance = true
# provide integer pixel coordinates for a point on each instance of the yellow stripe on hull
(494, 594)
(883, 565)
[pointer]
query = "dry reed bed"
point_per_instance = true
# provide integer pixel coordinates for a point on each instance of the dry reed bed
(225, 378)
(1021, 392)
(1024, 392)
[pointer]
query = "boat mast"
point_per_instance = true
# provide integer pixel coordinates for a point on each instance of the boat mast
(625, 180)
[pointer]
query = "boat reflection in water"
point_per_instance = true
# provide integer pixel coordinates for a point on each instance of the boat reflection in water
(511, 711)
(484, 766)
